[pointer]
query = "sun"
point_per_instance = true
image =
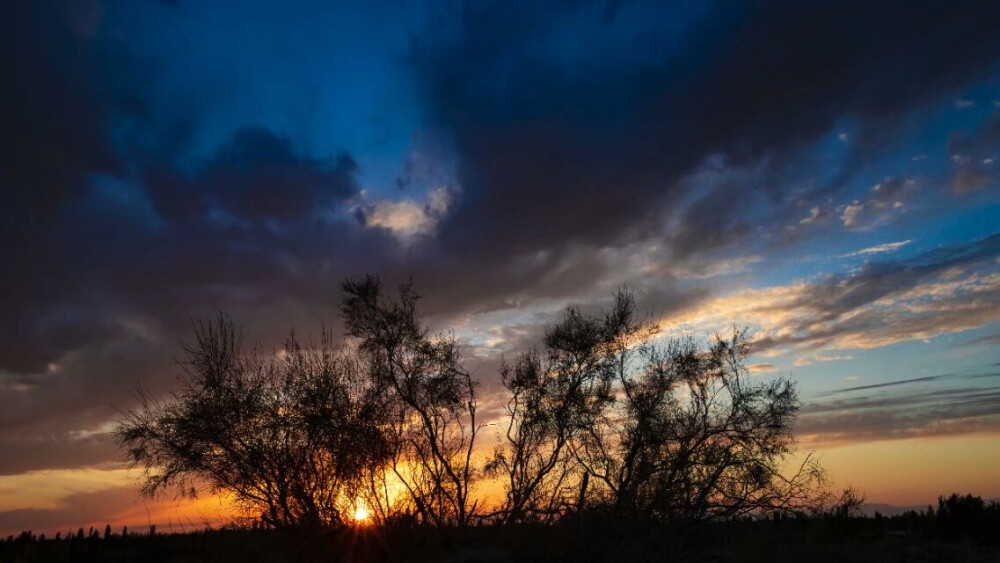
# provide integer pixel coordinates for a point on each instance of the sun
(361, 514)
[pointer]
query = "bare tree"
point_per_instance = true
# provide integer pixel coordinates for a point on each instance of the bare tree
(691, 439)
(432, 397)
(659, 429)
(607, 414)
(287, 435)
(532, 457)
(552, 400)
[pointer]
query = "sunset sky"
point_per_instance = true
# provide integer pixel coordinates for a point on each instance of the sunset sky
(825, 173)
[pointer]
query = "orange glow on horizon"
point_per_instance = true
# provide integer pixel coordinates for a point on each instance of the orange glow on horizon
(910, 472)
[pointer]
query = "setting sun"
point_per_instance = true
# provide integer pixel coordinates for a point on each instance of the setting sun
(361, 513)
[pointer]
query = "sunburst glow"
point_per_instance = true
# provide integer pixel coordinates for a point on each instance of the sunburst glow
(361, 514)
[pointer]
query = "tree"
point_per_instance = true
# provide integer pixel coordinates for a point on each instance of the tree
(287, 435)
(607, 416)
(656, 429)
(432, 401)
(552, 398)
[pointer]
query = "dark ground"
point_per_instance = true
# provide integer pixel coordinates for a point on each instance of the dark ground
(856, 540)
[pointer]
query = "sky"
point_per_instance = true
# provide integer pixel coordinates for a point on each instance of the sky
(824, 173)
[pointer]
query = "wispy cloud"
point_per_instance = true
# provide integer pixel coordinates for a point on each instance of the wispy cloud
(925, 379)
(941, 291)
(879, 249)
(810, 359)
(885, 203)
(953, 411)
(762, 367)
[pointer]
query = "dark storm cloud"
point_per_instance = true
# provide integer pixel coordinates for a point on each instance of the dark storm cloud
(56, 452)
(257, 175)
(245, 224)
(976, 155)
(111, 243)
(61, 90)
(59, 93)
(590, 157)
(554, 160)
(87, 238)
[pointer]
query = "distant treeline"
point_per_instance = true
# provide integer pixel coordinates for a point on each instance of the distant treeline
(959, 528)
(955, 518)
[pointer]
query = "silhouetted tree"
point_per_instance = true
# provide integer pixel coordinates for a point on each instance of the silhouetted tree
(553, 398)
(287, 435)
(960, 516)
(663, 429)
(432, 402)
(848, 504)
(606, 415)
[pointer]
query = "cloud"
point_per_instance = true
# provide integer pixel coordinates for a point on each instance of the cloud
(80, 509)
(406, 218)
(32, 452)
(529, 130)
(712, 267)
(62, 96)
(64, 501)
(554, 161)
(651, 151)
(973, 154)
(807, 360)
(989, 339)
(256, 175)
(910, 381)
(885, 204)
(247, 225)
(816, 213)
(946, 411)
(57, 111)
(879, 249)
(882, 303)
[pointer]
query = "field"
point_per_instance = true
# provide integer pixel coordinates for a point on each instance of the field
(818, 540)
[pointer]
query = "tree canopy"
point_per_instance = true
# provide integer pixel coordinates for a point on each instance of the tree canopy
(605, 416)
